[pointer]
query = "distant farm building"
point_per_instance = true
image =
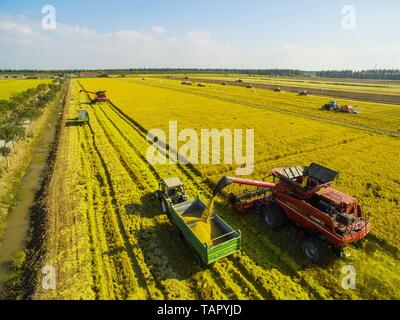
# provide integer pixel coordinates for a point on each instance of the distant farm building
(90, 74)
(41, 76)
(11, 76)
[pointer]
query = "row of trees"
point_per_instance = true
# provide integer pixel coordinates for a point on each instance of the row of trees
(377, 74)
(18, 113)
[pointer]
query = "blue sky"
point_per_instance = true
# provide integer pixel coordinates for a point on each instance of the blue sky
(306, 34)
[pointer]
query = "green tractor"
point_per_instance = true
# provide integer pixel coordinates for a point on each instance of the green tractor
(83, 117)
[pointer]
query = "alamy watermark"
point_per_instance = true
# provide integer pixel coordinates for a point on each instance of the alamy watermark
(49, 21)
(49, 278)
(349, 20)
(238, 147)
(349, 277)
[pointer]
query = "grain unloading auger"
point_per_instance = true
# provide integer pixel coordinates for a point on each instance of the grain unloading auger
(100, 96)
(323, 216)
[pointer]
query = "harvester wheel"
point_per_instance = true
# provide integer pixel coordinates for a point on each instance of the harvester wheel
(315, 251)
(274, 217)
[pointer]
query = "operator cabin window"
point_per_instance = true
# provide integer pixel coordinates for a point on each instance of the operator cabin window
(172, 192)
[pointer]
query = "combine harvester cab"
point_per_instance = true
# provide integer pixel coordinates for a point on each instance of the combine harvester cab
(184, 214)
(323, 216)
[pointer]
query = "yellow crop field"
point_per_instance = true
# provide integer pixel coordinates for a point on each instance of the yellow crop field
(13, 86)
(113, 231)
(379, 87)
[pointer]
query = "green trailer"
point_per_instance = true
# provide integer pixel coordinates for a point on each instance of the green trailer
(83, 117)
(174, 202)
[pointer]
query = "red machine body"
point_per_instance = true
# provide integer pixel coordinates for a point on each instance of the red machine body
(305, 196)
(100, 96)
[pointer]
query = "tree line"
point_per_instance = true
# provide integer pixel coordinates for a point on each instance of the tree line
(376, 74)
(18, 113)
(380, 74)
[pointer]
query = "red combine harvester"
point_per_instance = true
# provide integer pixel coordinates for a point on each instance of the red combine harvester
(100, 96)
(323, 216)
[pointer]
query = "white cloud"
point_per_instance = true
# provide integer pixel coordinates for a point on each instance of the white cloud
(75, 46)
(16, 28)
(158, 29)
(24, 44)
(74, 32)
(129, 35)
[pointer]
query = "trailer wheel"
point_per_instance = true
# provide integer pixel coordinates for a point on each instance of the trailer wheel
(315, 250)
(274, 217)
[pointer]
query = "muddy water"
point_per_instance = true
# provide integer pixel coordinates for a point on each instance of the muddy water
(18, 220)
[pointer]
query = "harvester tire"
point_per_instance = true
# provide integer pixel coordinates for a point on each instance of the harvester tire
(274, 217)
(315, 250)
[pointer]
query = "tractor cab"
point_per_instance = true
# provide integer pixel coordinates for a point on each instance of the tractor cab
(173, 189)
(331, 106)
(83, 116)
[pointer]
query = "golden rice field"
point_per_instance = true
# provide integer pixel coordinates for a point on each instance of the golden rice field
(380, 87)
(9, 87)
(108, 239)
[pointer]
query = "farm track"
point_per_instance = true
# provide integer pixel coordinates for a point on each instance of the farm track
(361, 96)
(238, 266)
(280, 110)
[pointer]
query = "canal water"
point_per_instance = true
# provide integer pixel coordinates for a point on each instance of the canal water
(18, 220)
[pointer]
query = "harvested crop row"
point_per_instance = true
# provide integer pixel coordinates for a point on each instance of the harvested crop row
(160, 268)
(236, 267)
(237, 275)
(132, 251)
(357, 143)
